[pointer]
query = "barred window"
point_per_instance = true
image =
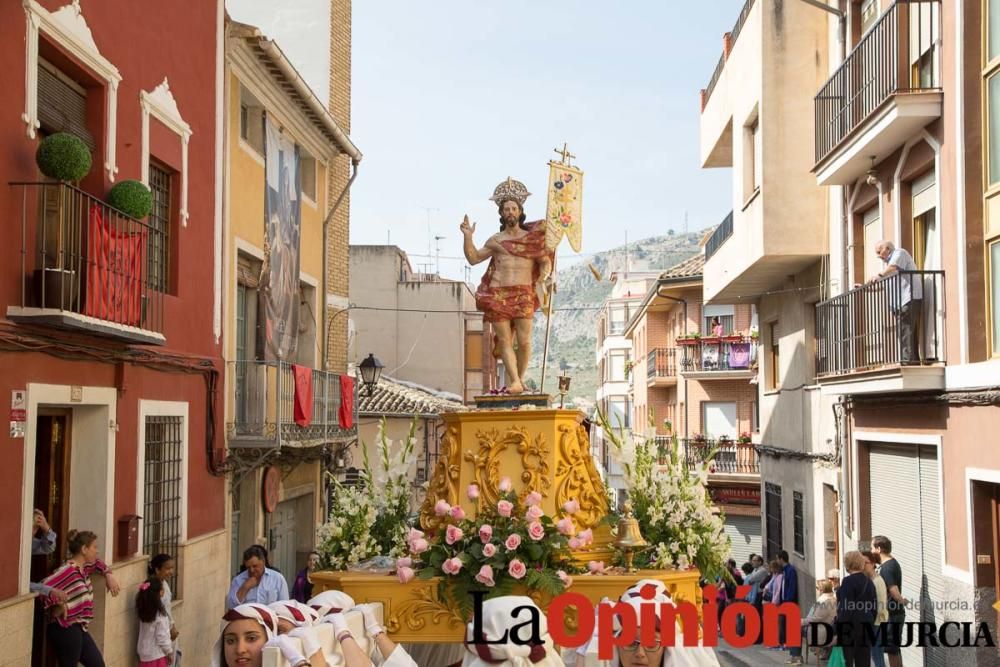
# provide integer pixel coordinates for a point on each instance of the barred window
(160, 184)
(798, 523)
(162, 482)
(772, 513)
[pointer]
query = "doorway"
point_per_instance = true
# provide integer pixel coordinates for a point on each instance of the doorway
(52, 477)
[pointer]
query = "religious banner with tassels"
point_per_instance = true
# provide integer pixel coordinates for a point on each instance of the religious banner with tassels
(563, 217)
(563, 214)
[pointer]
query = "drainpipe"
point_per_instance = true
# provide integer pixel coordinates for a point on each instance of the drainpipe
(683, 302)
(326, 259)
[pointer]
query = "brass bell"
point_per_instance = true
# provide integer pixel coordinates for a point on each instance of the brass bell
(630, 540)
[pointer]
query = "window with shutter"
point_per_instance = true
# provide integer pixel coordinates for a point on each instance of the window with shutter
(62, 104)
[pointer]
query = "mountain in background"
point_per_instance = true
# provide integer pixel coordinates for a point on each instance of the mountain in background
(573, 340)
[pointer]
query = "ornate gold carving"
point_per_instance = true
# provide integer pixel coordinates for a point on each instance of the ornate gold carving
(444, 482)
(578, 478)
(486, 462)
(413, 614)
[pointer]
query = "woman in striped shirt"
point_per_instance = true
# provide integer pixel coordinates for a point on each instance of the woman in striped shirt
(67, 629)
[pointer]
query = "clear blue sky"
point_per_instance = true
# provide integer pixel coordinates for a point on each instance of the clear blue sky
(449, 98)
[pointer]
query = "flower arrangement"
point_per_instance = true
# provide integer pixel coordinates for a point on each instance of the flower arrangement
(370, 519)
(670, 500)
(745, 438)
(507, 543)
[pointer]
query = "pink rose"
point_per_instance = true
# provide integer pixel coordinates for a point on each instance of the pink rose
(596, 566)
(534, 513)
(453, 534)
(536, 530)
(485, 576)
(472, 492)
(457, 513)
(489, 550)
(414, 534)
(586, 536)
(517, 569)
(441, 507)
(485, 532)
(504, 508)
(404, 562)
(575, 543)
(405, 574)
(565, 578)
(505, 485)
(533, 499)
(571, 507)
(513, 542)
(565, 526)
(452, 566)
(418, 546)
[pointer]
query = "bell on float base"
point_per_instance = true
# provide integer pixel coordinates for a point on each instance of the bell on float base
(630, 540)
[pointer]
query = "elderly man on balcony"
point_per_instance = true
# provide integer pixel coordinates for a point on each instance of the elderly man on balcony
(905, 298)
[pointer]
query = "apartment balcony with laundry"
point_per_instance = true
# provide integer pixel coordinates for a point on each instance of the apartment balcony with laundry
(278, 404)
(727, 357)
(757, 120)
(87, 266)
(886, 90)
(884, 336)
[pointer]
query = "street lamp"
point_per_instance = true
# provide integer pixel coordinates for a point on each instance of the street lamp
(563, 388)
(371, 370)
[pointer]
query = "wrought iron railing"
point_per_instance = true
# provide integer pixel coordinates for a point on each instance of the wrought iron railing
(661, 363)
(719, 236)
(264, 406)
(727, 456)
(80, 255)
(894, 321)
(723, 353)
(899, 54)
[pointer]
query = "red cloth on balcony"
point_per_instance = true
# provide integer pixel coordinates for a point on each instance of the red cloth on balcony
(115, 264)
(303, 410)
(346, 411)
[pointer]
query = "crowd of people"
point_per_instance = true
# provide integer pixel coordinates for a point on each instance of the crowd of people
(867, 603)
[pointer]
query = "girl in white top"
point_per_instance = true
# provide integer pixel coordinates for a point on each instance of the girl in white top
(161, 566)
(154, 647)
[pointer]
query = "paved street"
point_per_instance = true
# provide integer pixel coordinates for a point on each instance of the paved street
(754, 656)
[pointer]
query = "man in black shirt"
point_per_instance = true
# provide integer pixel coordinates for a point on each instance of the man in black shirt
(892, 575)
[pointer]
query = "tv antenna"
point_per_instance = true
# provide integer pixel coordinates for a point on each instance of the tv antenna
(437, 253)
(428, 209)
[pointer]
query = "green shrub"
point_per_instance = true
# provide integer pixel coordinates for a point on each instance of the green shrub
(131, 198)
(63, 157)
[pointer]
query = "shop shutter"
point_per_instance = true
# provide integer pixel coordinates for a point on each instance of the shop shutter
(62, 107)
(906, 476)
(744, 533)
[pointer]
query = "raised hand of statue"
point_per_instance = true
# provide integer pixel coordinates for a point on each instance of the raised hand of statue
(466, 228)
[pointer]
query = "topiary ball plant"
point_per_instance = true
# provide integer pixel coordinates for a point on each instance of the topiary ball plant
(131, 198)
(63, 157)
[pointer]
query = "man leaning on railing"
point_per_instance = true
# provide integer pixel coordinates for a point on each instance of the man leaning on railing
(905, 298)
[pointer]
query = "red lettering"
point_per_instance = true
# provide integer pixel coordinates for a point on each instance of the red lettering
(773, 613)
(606, 638)
(732, 612)
(584, 620)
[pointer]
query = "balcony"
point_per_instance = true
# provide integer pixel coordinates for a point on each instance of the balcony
(264, 407)
(661, 367)
(719, 236)
(719, 358)
(884, 336)
(887, 89)
(731, 457)
(87, 266)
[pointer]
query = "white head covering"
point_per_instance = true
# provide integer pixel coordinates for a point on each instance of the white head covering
(329, 602)
(498, 617)
(250, 611)
(678, 655)
(294, 612)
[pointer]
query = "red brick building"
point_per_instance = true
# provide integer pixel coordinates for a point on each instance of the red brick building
(116, 410)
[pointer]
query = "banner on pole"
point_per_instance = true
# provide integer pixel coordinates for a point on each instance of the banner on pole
(563, 213)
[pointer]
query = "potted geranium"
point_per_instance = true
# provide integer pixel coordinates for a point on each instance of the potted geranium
(689, 339)
(507, 546)
(744, 439)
